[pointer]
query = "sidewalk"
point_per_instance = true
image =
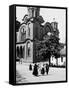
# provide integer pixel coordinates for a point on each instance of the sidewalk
(55, 74)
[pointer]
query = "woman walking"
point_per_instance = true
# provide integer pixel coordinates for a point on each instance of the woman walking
(30, 67)
(35, 70)
(47, 68)
(43, 70)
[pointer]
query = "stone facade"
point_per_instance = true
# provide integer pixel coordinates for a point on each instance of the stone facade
(32, 29)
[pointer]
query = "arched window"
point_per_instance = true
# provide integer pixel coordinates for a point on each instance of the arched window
(22, 29)
(22, 33)
(21, 52)
(36, 13)
(32, 12)
(61, 59)
(28, 49)
(28, 30)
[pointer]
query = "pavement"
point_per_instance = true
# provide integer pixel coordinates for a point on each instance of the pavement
(23, 75)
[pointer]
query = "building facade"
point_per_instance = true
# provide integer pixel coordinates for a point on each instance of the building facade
(30, 30)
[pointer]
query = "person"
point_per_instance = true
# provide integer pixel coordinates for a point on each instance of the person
(30, 67)
(43, 70)
(39, 70)
(35, 70)
(47, 68)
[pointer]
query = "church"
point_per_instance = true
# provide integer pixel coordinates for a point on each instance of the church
(31, 31)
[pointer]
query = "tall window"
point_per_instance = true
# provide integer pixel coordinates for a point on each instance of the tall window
(23, 33)
(61, 59)
(22, 30)
(17, 51)
(36, 13)
(28, 31)
(32, 12)
(21, 52)
(28, 49)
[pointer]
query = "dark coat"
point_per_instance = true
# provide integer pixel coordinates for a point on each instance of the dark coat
(35, 70)
(30, 67)
(42, 71)
(47, 68)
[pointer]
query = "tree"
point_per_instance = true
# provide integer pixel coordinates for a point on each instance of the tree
(49, 47)
(53, 47)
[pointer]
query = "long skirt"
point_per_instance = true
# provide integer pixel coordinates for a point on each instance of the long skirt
(42, 71)
(35, 71)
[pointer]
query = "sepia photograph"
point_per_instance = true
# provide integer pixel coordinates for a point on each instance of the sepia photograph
(40, 44)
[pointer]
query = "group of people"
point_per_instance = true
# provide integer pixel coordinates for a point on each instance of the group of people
(38, 69)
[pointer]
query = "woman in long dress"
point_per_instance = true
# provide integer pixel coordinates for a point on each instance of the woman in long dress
(47, 68)
(43, 70)
(35, 70)
(30, 67)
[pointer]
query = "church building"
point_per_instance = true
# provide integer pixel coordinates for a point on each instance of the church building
(30, 30)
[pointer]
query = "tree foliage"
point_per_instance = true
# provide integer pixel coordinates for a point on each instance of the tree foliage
(48, 47)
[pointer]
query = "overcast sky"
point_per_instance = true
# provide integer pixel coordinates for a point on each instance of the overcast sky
(48, 15)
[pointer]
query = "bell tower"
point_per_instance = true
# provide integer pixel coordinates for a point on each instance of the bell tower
(33, 11)
(55, 27)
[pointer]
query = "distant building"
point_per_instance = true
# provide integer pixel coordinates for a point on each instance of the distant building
(30, 30)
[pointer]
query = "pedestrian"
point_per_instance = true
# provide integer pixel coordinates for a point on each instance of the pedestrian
(35, 70)
(39, 70)
(43, 70)
(30, 67)
(47, 68)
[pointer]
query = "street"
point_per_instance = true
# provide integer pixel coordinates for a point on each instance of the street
(23, 75)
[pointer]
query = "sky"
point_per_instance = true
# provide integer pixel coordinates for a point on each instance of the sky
(48, 15)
